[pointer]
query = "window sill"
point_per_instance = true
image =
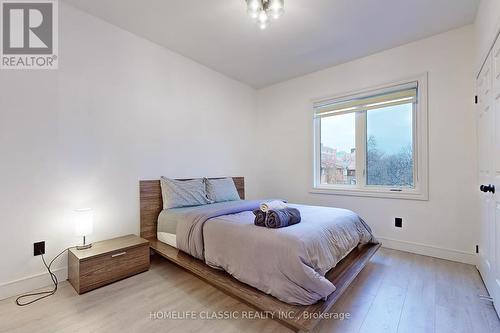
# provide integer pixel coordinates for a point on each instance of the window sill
(406, 195)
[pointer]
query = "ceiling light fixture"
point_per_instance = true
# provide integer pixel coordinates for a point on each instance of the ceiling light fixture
(262, 10)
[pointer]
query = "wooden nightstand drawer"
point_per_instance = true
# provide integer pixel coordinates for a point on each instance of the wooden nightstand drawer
(98, 271)
(107, 262)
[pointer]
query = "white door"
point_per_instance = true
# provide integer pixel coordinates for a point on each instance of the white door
(495, 100)
(485, 119)
(488, 122)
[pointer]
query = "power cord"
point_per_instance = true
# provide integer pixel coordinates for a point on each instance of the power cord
(43, 294)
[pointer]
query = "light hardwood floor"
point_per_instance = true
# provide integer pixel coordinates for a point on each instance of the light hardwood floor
(396, 292)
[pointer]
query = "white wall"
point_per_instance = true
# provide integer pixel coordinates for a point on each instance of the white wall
(444, 226)
(119, 109)
(486, 27)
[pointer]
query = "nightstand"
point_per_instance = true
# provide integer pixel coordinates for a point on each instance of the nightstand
(107, 261)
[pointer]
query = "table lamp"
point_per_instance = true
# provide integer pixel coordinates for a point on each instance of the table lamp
(84, 225)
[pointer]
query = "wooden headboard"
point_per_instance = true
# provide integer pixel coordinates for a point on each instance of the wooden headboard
(152, 203)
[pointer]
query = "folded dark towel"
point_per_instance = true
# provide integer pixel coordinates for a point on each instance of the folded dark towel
(260, 218)
(281, 218)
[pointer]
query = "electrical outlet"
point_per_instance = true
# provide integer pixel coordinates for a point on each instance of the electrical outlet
(398, 222)
(39, 248)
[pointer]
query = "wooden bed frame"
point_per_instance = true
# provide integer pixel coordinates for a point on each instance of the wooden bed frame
(290, 315)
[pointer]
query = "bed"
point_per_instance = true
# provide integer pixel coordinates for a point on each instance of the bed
(295, 279)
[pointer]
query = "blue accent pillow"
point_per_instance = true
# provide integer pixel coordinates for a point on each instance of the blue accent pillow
(183, 193)
(219, 190)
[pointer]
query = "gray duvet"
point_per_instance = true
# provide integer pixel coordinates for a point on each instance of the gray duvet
(288, 263)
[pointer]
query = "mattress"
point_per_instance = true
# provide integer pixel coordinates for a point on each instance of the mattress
(168, 219)
(167, 238)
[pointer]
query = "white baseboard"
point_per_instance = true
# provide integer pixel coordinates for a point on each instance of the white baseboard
(42, 280)
(429, 250)
(31, 283)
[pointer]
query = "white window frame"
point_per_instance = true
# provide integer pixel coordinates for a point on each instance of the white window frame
(420, 191)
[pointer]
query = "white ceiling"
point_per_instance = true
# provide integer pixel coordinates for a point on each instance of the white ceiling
(312, 35)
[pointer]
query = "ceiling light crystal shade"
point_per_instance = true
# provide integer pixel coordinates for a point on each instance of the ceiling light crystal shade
(254, 8)
(263, 10)
(263, 18)
(276, 8)
(253, 13)
(254, 5)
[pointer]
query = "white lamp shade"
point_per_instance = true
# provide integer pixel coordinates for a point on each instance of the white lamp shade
(84, 222)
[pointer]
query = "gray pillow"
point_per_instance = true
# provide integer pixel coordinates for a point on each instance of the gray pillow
(219, 190)
(183, 193)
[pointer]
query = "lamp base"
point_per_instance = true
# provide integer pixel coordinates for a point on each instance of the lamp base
(84, 247)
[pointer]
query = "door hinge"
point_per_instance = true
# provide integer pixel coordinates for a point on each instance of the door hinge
(475, 99)
(477, 248)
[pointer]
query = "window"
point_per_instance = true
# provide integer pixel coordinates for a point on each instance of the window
(373, 143)
(338, 149)
(389, 149)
